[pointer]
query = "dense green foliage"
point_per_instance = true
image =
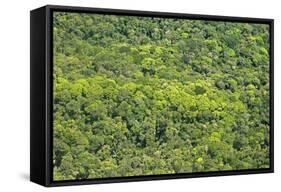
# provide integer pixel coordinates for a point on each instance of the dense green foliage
(141, 96)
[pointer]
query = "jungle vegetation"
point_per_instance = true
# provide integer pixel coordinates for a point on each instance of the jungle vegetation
(146, 96)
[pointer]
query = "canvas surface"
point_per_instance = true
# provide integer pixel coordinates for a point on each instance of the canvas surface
(148, 96)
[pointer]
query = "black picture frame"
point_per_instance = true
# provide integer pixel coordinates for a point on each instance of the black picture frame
(41, 57)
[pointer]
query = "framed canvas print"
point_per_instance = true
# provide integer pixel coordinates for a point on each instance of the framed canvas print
(123, 95)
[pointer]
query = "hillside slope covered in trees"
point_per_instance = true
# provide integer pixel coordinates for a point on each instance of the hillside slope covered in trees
(144, 96)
